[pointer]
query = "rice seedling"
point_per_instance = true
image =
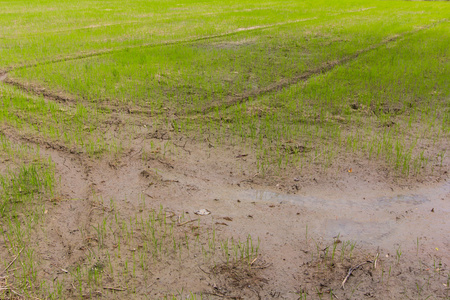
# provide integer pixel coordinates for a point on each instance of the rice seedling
(78, 128)
(24, 189)
(304, 113)
(298, 85)
(76, 31)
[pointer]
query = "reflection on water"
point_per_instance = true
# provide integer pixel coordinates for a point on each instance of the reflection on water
(310, 201)
(368, 232)
(385, 220)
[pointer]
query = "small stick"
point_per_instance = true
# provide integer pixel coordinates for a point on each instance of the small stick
(184, 223)
(263, 267)
(219, 295)
(204, 271)
(10, 264)
(114, 289)
(253, 261)
(317, 157)
(183, 147)
(16, 293)
(350, 271)
(256, 292)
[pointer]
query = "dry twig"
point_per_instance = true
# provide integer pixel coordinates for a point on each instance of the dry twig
(184, 223)
(114, 289)
(10, 264)
(350, 271)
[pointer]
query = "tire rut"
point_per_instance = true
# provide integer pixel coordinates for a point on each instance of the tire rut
(71, 217)
(70, 165)
(231, 100)
(94, 26)
(325, 68)
(79, 56)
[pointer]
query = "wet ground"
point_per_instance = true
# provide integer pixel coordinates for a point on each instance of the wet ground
(382, 218)
(385, 220)
(401, 229)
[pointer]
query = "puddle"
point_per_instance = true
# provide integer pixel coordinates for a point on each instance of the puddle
(409, 199)
(395, 218)
(403, 199)
(339, 203)
(368, 232)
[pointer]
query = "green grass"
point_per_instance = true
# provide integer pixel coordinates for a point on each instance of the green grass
(283, 83)
(296, 84)
(389, 103)
(80, 28)
(25, 186)
(47, 30)
(78, 128)
(192, 76)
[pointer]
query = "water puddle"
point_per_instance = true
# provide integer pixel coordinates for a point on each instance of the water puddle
(368, 232)
(376, 219)
(403, 199)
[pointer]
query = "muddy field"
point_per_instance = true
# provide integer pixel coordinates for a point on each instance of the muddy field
(311, 230)
(182, 151)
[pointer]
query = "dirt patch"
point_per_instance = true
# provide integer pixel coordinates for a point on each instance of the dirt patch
(308, 227)
(307, 241)
(232, 44)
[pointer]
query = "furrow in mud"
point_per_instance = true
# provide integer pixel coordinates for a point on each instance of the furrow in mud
(64, 98)
(12, 134)
(326, 67)
(70, 165)
(37, 91)
(74, 29)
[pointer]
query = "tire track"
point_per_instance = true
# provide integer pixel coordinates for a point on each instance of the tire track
(74, 206)
(229, 101)
(142, 21)
(79, 56)
(325, 68)
(76, 182)
(67, 99)
(82, 55)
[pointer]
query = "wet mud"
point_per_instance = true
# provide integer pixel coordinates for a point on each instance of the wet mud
(294, 229)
